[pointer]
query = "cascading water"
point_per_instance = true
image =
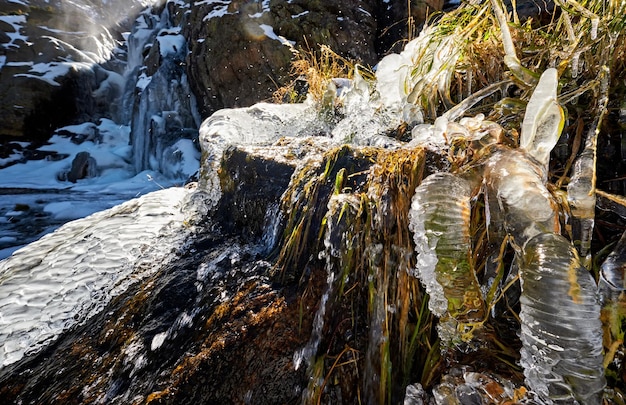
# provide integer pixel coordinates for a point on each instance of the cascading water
(158, 101)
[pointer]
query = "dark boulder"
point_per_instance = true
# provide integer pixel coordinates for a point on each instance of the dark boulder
(83, 166)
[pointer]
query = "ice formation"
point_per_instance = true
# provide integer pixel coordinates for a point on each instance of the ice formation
(52, 284)
(544, 119)
(562, 359)
(561, 330)
(517, 197)
(440, 222)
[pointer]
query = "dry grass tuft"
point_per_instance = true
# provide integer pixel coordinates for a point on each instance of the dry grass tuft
(312, 71)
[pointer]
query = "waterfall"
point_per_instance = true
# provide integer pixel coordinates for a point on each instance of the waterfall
(157, 100)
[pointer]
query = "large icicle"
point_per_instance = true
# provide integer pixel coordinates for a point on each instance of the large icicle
(581, 197)
(581, 190)
(561, 330)
(439, 220)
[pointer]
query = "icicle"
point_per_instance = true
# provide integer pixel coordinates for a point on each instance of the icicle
(581, 190)
(544, 119)
(593, 33)
(561, 331)
(574, 63)
(581, 197)
(518, 200)
(439, 220)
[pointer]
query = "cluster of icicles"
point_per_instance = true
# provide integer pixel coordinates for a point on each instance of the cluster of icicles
(561, 332)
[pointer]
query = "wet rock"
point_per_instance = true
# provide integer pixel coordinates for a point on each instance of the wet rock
(208, 327)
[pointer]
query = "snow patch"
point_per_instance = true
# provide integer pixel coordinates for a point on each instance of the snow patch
(268, 30)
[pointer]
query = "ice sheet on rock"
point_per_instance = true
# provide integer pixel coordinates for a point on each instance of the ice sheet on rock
(71, 274)
(561, 331)
(261, 124)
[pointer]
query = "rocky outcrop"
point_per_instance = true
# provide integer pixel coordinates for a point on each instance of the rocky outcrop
(49, 56)
(83, 166)
(207, 327)
(241, 51)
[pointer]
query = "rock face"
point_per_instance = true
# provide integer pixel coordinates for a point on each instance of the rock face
(49, 62)
(62, 62)
(240, 51)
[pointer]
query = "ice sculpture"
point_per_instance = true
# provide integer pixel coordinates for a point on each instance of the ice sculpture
(561, 330)
(439, 220)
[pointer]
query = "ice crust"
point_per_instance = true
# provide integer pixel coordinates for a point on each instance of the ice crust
(71, 274)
